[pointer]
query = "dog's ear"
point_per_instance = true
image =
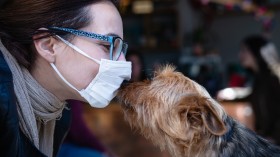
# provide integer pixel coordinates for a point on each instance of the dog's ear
(212, 120)
(199, 113)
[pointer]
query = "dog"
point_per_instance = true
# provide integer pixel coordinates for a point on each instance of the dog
(179, 115)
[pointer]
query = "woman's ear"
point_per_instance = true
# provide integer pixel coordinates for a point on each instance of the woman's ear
(45, 46)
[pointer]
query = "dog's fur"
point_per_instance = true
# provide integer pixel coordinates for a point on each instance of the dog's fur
(178, 114)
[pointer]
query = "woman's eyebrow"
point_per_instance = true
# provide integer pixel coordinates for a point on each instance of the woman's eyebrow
(112, 34)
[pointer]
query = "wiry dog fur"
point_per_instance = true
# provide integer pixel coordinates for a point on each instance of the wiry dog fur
(178, 114)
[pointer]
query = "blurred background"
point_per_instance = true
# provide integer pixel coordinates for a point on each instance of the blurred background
(204, 39)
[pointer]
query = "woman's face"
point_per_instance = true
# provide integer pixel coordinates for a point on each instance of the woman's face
(247, 59)
(78, 69)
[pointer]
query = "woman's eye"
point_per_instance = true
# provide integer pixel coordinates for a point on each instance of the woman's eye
(106, 47)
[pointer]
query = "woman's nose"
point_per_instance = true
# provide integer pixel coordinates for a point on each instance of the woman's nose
(122, 57)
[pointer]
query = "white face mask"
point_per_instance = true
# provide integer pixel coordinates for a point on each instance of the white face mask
(103, 88)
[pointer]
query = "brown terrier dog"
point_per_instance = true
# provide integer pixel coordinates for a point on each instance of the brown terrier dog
(178, 114)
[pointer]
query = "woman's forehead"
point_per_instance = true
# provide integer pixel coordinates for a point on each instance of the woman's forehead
(106, 19)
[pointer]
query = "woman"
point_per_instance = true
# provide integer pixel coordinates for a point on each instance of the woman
(52, 51)
(265, 97)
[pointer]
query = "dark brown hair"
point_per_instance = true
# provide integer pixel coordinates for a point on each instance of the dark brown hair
(21, 19)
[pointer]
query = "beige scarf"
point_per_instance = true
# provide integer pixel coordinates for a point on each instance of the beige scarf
(37, 108)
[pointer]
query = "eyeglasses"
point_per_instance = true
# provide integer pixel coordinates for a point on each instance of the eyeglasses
(117, 45)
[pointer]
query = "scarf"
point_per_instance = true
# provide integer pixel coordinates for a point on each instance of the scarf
(38, 109)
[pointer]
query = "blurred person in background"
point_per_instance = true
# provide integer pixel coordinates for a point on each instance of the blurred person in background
(138, 65)
(265, 96)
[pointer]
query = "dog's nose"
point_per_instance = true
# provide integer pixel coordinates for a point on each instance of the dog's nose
(125, 83)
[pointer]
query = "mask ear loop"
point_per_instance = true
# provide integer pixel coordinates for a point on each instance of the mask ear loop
(270, 56)
(60, 75)
(77, 49)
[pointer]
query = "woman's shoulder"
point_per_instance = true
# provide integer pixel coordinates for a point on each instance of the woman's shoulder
(5, 71)
(6, 87)
(11, 136)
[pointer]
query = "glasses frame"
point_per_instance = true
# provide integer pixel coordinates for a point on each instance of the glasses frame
(110, 39)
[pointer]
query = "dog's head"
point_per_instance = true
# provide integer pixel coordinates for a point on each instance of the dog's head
(171, 108)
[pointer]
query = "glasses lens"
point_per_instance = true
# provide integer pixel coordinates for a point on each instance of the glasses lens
(124, 48)
(118, 44)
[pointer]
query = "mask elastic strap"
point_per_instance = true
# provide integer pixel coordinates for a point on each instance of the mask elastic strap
(60, 75)
(77, 49)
